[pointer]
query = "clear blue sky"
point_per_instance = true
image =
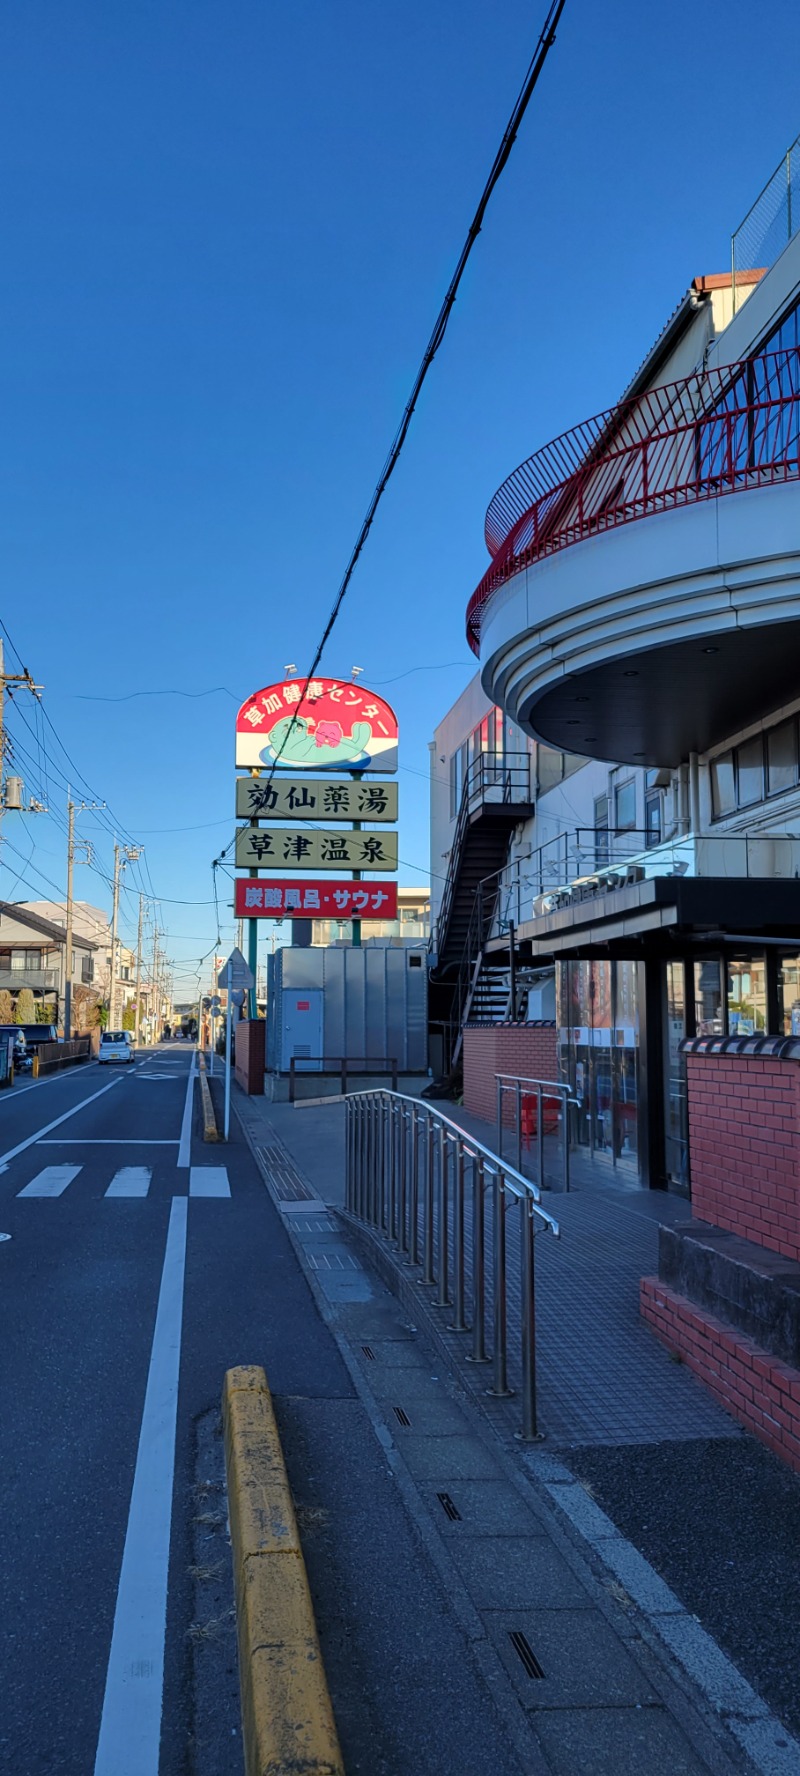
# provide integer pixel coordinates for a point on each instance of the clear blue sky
(227, 229)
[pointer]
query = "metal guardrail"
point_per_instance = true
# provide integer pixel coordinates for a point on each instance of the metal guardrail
(526, 1093)
(771, 221)
(717, 431)
(341, 1065)
(406, 1166)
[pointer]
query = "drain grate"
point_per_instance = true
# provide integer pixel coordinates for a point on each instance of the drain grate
(450, 1510)
(368, 1352)
(401, 1415)
(525, 1653)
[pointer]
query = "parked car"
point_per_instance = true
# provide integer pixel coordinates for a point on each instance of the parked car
(25, 1039)
(116, 1045)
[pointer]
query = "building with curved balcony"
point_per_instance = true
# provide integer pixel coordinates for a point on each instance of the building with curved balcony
(638, 636)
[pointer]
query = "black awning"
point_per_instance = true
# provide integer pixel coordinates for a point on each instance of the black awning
(657, 916)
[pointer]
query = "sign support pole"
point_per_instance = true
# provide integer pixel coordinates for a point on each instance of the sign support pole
(252, 957)
(228, 1026)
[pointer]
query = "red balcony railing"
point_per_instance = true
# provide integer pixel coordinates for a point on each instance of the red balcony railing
(715, 432)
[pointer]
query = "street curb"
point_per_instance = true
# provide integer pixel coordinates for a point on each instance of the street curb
(210, 1130)
(287, 1717)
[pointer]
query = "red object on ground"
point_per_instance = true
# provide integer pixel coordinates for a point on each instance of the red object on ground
(529, 1116)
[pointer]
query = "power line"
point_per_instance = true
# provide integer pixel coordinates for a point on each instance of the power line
(544, 45)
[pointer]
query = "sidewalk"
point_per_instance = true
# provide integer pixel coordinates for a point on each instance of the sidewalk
(719, 1518)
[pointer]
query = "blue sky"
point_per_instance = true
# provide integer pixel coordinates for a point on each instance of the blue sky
(227, 230)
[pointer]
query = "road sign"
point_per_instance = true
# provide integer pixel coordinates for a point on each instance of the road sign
(321, 900)
(336, 726)
(235, 972)
(314, 798)
(301, 848)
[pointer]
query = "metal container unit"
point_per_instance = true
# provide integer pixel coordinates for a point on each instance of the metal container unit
(374, 1007)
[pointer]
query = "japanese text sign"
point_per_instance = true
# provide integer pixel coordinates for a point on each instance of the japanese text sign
(323, 900)
(337, 725)
(314, 798)
(297, 847)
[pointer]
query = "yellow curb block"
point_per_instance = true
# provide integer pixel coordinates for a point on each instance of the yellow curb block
(286, 1708)
(210, 1130)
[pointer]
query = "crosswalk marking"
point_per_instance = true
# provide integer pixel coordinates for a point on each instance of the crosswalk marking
(130, 1181)
(209, 1181)
(51, 1182)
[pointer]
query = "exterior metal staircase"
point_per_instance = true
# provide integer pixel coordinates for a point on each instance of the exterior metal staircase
(497, 795)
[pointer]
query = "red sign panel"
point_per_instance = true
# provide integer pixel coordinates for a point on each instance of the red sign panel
(336, 726)
(309, 900)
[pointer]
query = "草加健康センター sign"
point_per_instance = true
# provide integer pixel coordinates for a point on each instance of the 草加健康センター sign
(336, 725)
(299, 848)
(314, 798)
(327, 900)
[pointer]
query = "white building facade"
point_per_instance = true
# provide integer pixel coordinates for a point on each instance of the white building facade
(637, 630)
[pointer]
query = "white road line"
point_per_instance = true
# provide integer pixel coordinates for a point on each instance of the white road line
(208, 1181)
(130, 1181)
(130, 1726)
(52, 1181)
(185, 1148)
(57, 1121)
(115, 1141)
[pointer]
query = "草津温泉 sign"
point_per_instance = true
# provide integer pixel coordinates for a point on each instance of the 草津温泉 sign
(323, 900)
(339, 725)
(314, 798)
(297, 847)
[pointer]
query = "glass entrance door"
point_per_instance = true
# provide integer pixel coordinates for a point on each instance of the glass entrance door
(676, 1115)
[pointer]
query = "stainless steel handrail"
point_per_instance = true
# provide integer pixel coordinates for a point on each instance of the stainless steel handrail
(542, 1089)
(407, 1162)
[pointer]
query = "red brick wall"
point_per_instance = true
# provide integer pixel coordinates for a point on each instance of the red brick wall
(762, 1392)
(489, 1049)
(744, 1129)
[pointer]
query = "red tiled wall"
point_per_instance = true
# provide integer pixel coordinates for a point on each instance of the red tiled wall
(761, 1392)
(744, 1130)
(505, 1048)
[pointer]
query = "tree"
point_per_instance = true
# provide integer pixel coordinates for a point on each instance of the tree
(6, 1007)
(84, 1010)
(129, 1018)
(26, 1006)
(45, 1011)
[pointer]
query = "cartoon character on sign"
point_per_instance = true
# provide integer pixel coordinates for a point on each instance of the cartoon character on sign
(325, 725)
(324, 743)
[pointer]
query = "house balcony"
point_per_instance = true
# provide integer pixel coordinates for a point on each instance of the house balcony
(38, 979)
(644, 595)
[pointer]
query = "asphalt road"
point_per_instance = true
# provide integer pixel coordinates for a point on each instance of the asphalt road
(124, 1297)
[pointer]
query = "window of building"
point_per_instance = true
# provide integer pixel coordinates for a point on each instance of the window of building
(750, 771)
(653, 821)
(747, 996)
(625, 806)
(87, 969)
(723, 787)
(789, 995)
(601, 852)
(708, 1016)
(781, 758)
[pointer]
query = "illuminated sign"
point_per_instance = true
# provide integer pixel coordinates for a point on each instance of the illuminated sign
(301, 848)
(314, 798)
(339, 725)
(321, 900)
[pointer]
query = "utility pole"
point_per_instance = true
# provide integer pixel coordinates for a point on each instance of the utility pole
(68, 954)
(154, 976)
(137, 1013)
(73, 808)
(123, 855)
